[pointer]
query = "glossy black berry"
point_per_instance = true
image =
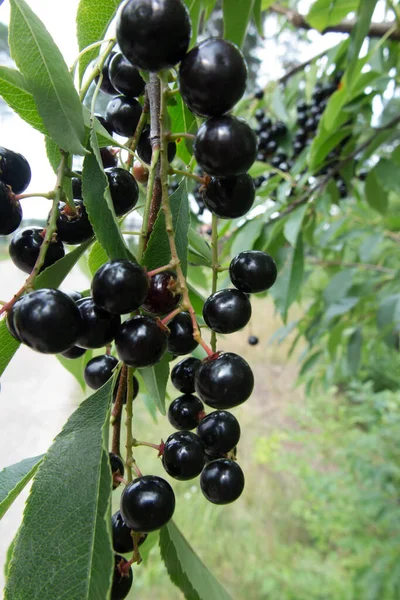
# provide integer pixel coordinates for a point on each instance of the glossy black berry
(266, 124)
(99, 370)
(153, 34)
(144, 147)
(230, 197)
(103, 121)
(123, 114)
(212, 77)
(310, 125)
(220, 432)
(122, 579)
(180, 339)
(183, 374)
(108, 158)
(225, 146)
(73, 228)
(48, 321)
(135, 389)
(147, 503)
(106, 85)
(14, 170)
(10, 319)
(119, 286)
(125, 78)
(116, 464)
(363, 174)
(123, 189)
(141, 341)
(10, 211)
(99, 327)
(74, 295)
(301, 118)
(25, 247)
(121, 535)
(222, 481)
(259, 115)
(224, 380)
(162, 296)
(259, 94)
(253, 271)
(77, 188)
(185, 412)
(74, 352)
(271, 147)
(298, 147)
(183, 455)
(227, 311)
(253, 340)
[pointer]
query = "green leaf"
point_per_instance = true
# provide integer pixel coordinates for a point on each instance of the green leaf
(92, 19)
(158, 252)
(185, 568)
(97, 257)
(156, 379)
(10, 550)
(199, 244)
(14, 478)
(53, 276)
(354, 348)
(67, 515)
(288, 284)
(47, 76)
(325, 13)
(257, 16)
(293, 224)
(388, 175)
(8, 346)
(311, 361)
(76, 366)
(98, 203)
(338, 286)
(376, 196)
(363, 20)
(182, 121)
(341, 307)
(246, 236)
(388, 318)
(14, 90)
(237, 14)
(195, 8)
(53, 153)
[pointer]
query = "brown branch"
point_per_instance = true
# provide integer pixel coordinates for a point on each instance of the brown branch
(376, 30)
(154, 94)
(301, 66)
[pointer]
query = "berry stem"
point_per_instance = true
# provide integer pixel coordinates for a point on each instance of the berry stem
(197, 178)
(47, 195)
(87, 49)
(116, 412)
(215, 267)
(128, 423)
(158, 447)
(133, 142)
(173, 137)
(171, 315)
(160, 270)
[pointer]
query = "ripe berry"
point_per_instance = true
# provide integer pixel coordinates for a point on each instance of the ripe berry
(266, 124)
(99, 370)
(153, 34)
(311, 124)
(108, 158)
(135, 389)
(103, 121)
(122, 579)
(220, 432)
(73, 229)
(106, 85)
(14, 170)
(227, 311)
(231, 197)
(123, 114)
(99, 327)
(147, 503)
(121, 535)
(144, 149)
(185, 412)
(259, 94)
(222, 481)
(119, 286)
(183, 455)
(116, 464)
(74, 352)
(181, 340)
(259, 114)
(183, 374)
(74, 295)
(363, 174)
(271, 147)
(25, 247)
(162, 296)
(253, 271)
(253, 340)
(123, 189)
(141, 341)
(301, 118)
(212, 77)
(77, 187)
(125, 78)
(48, 321)
(298, 147)
(224, 380)
(10, 211)
(225, 146)
(10, 318)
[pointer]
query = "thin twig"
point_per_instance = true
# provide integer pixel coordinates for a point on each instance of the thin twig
(215, 268)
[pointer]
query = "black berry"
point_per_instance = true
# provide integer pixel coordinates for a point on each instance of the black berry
(162, 296)
(212, 77)
(225, 146)
(73, 229)
(25, 247)
(106, 85)
(147, 503)
(227, 311)
(48, 321)
(153, 34)
(125, 78)
(99, 370)
(77, 187)
(144, 147)
(253, 271)
(183, 374)
(224, 380)
(108, 158)
(117, 468)
(74, 352)
(253, 340)
(14, 170)
(103, 121)
(185, 412)
(183, 455)
(222, 481)
(121, 535)
(141, 341)
(10, 210)
(123, 114)
(122, 578)
(99, 327)
(220, 432)
(119, 286)
(123, 189)
(181, 340)
(230, 197)
(74, 295)
(10, 318)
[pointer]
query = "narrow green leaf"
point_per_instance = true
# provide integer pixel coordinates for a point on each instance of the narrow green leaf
(341, 307)
(237, 14)
(388, 175)
(195, 7)
(14, 90)
(311, 361)
(293, 224)
(53, 276)
(156, 379)
(375, 194)
(92, 19)
(325, 13)
(247, 235)
(97, 257)
(354, 348)
(53, 153)
(209, 6)
(338, 286)
(199, 244)
(8, 346)
(10, 551)
(287, 287)
(257, 16)
(14, 478)
(388, 318)
(97, 199)
(185, 568)
(67, 516)
(182, 120)
(158, 252)
(41, 62)
(363, 20)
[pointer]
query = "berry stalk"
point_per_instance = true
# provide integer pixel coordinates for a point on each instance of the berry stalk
(97, 69)
(215, 270)
(128, 423)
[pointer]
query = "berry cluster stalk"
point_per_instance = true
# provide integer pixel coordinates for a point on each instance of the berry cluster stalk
(215, 268)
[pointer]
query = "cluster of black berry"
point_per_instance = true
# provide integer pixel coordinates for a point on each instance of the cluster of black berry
(15, 175)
